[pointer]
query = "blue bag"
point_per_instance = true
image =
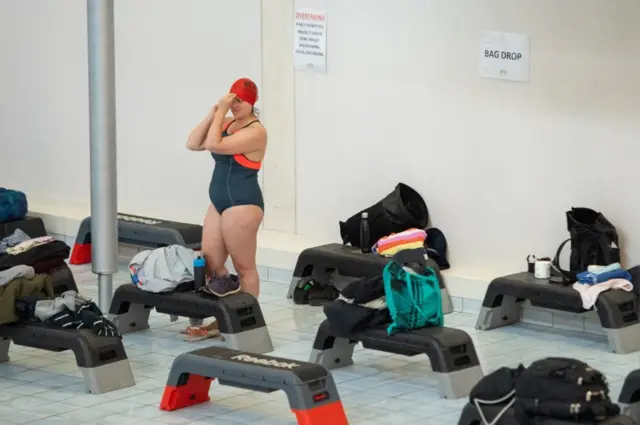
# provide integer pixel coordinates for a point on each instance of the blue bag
(13, 205)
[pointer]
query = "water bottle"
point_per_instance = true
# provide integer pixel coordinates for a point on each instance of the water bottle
(365, 234)
(199, 272)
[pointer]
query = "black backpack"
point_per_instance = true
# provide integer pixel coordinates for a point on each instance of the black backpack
(564, 389)
(594, 241)
(498, 389)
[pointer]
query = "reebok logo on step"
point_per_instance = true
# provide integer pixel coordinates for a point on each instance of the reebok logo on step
(265, 362)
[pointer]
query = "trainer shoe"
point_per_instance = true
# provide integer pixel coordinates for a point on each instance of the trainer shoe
(221, 286)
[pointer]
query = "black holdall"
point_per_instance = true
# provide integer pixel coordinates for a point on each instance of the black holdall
(564, 389)
(594, 241)
(400, 210)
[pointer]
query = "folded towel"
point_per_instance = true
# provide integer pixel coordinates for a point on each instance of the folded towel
(590, 293)
(604, 269)
(593, 278)
(388, 246)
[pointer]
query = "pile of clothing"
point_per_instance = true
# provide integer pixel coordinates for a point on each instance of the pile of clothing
(598, 279)
(406, 296)
(171, 269)
(166, 269)
(42, 253)
(29, 296)
(553, 388)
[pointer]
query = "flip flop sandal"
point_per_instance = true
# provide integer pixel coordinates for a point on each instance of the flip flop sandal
(199, 333)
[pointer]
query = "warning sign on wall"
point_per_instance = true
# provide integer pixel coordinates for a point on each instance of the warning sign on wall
(310, 40)
(504, 56)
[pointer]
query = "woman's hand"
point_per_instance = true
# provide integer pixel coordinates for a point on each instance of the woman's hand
(226, 101)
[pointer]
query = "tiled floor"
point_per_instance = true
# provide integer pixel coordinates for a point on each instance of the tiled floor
(39, 387)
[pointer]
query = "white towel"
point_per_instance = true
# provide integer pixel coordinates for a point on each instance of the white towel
(590, 293)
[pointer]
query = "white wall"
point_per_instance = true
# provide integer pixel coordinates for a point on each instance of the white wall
(498, 163)
(44, 128)
(174, 60)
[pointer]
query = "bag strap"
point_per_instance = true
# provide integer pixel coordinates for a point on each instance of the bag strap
(556, 264)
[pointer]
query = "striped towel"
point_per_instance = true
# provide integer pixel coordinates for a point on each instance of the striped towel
(388, 246)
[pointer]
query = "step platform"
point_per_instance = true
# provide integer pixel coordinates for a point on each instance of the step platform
(451, 352)
(239, 315)
(629, 399)
(340, 264)
(63, 279)
(102, 360)
(312, 393)
(32, 226)
(142, 231)
(617, 310)
(471, 416)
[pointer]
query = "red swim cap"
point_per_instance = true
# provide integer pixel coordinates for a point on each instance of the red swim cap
(246, 90)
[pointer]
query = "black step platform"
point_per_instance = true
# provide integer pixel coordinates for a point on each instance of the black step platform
(32, 226)
(63, 279)
(471, 416)
(239, 315)
(101, 359)
(617, 309)
(142, 231)
(629, 399)
(451, 352)
(335, 262)
(310, 388)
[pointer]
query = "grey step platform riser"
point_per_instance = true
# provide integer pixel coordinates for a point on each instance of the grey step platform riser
(632, 410)
(109, 377)
(621, 340)
(452, 385)
(98, 380)
(447, 304)
(255, 340)
(4, 350)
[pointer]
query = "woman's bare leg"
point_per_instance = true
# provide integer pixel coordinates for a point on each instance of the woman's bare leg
(213, 247)
(214, 252)
(240, 226)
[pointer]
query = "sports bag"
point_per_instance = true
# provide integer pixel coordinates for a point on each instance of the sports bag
(594, 241)
(13, 205)
(412, 292)
(496, 388)
(564, 389)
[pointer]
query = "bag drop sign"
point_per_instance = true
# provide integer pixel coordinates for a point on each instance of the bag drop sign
(504, 56)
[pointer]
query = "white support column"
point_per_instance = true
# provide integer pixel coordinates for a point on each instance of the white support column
(278, 115)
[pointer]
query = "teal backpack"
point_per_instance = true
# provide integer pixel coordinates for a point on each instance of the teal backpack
(412, 292)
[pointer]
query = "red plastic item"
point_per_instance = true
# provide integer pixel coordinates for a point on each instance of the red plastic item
(81, 254)
(328, 414)
(195, 391)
